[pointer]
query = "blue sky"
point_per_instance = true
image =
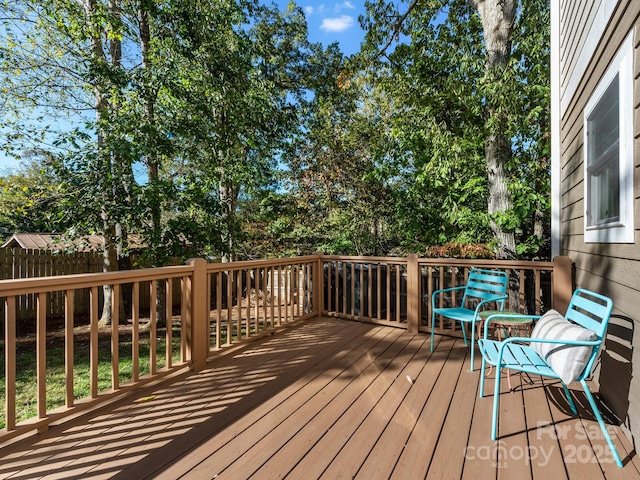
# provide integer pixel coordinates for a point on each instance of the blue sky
(334, 21)
(328, 22)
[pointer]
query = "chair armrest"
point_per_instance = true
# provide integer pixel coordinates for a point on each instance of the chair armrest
(504, 343)
(491, 300)
(579, 343)
(491, 318)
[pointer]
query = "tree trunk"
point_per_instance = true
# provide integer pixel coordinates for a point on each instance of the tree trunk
(228, 200)
(109, 264)
(498, 17)
(153, 167)
(105, 157)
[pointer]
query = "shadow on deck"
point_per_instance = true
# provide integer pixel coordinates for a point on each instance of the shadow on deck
(328, 399)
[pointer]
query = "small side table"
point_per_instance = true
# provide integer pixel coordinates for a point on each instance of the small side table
(511, 324)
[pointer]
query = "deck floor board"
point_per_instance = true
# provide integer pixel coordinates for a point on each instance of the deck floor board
(327, 398)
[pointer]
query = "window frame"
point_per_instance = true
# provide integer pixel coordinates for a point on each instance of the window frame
(622, 229)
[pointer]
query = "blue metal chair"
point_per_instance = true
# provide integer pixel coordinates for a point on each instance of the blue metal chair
(588, 313)
(484, 288)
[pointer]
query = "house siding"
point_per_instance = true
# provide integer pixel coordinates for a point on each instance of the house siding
(612, 269)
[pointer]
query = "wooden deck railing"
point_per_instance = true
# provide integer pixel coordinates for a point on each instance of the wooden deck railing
(397, 291)
(221, 305)
(248, 298)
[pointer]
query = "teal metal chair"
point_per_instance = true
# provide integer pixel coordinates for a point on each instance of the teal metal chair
(562, 347)
(485, 289)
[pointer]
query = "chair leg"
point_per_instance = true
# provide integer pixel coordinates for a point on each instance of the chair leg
(482, 373)
(473, 339)
(569, 399)
(603, 427)
(433, 326)
(496, 405)
(464, 333)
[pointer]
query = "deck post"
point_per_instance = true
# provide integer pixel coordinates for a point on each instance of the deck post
(413, 294)
(318, 284)
(562, 283)
(197, 331)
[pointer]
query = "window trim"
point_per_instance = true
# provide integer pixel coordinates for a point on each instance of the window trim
(621, 231)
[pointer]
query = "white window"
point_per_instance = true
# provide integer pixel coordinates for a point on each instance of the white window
(608, 166)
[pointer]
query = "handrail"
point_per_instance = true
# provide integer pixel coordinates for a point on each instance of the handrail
(23, 286)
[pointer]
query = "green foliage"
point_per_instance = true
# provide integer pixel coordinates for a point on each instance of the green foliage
(460, 250)
(30, 199)
(253, 142)
(200, 94)
(433, 72)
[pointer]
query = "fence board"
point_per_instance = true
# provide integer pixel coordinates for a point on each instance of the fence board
(16, 262)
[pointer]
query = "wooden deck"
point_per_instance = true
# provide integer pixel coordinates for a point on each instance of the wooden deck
(328, 399)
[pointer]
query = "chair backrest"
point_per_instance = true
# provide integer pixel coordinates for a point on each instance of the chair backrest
(486, 285)
(590, 310)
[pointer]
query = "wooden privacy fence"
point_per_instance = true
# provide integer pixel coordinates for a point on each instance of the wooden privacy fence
(219, 306)
(18, 263)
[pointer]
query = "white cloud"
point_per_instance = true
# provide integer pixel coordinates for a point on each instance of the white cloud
(348, 5)
(339, 24)
(314, 9)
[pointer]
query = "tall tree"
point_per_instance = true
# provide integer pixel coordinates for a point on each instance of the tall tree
(498, 18)
(66, 55)
(336, 166)
(468, 87)
(236, 82)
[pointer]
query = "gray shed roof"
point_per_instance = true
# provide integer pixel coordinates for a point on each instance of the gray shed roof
(55, 241)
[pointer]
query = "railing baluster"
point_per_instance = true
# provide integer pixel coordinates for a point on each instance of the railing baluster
(441, 297)
(379, 291)
(344, 287)
(538, 292)
(257, 295)
(285, 292)
(298, 289)
(265, 304)
(429, 294)
(135, 332)
(388, 292)
(272, 294)
(68, 347)
(239, 304)
(279, 295)
(307, 288)
(522, 294)
(218, 309)
(153, 326)
(229, 306)
(10, 362)
(169, 316)
(115, 324)
(361, 292)
(210, 285)
(398, 294)
(41, 353)
(93, 343)
(336, 287)
(247, 278)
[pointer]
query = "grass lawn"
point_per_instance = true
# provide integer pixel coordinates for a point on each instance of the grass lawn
(26, 387)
